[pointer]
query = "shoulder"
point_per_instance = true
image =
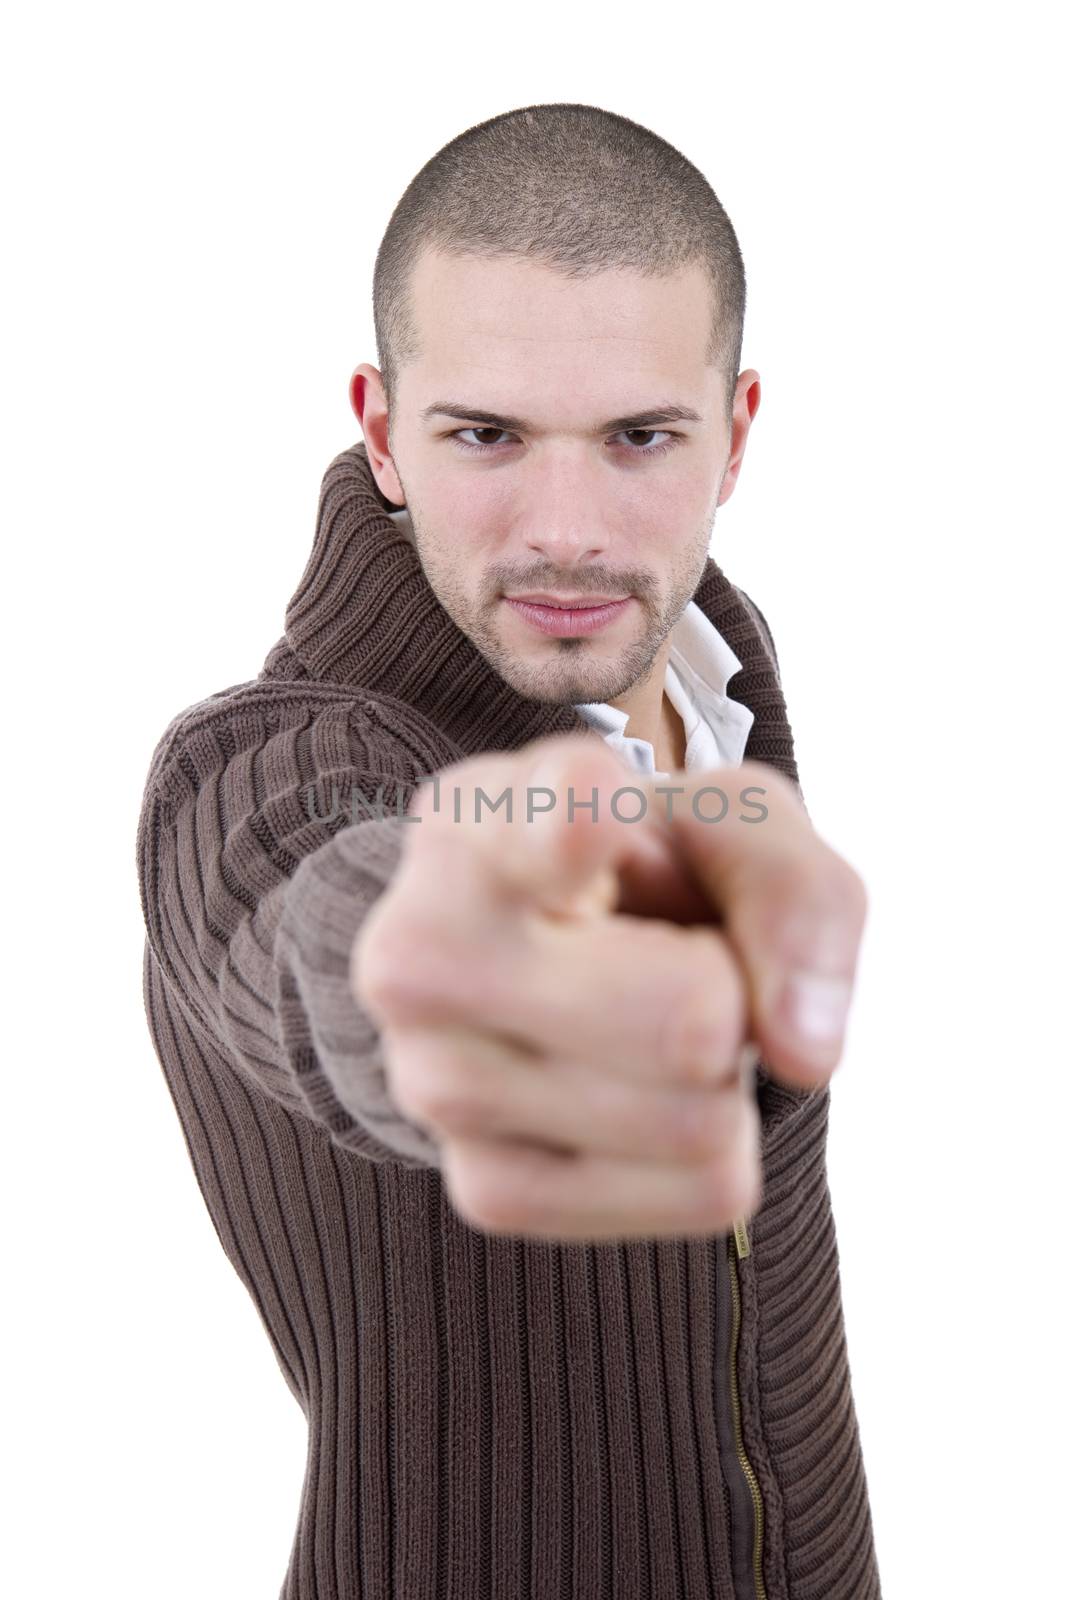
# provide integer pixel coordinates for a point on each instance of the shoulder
(283, 732)
(760, 621)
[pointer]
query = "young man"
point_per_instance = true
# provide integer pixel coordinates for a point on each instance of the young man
(494, 965)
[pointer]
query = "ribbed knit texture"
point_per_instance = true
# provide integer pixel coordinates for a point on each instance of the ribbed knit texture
(488, 1418)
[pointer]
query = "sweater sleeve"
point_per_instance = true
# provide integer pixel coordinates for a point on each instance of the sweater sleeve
(269, 826)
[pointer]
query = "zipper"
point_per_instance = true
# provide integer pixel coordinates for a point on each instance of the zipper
(745, 1500)
(738, 1249)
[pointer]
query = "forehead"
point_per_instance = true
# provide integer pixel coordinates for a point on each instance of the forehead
(519, 316)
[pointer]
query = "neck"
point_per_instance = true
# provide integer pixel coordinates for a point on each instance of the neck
(652, 717)
(670, 743)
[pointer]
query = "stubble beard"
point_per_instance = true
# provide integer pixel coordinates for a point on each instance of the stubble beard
(570, 674)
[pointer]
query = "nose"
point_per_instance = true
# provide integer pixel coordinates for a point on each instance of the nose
(567, 545)
(561, 525)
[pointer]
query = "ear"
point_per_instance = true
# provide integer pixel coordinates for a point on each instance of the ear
(367, 397)
(746, 404)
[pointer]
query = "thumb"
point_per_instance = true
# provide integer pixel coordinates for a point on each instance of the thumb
(792, 908)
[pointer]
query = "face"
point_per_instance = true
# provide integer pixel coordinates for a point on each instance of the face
(563, 481)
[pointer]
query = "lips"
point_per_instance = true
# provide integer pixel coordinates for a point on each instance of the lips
(579, 603)
(568, 620)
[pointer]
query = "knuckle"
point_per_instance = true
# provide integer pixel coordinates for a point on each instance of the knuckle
(816, 913)
(779, 791)
(501, 1211)
(406, 967)
(854, 892)
(697, 1040)
(704, 1027)
(835, 885)
(437, 1090)
(802, 883)
(730, 1184)
(377, 968)
(845, 892)
(729, 1187)
(698, 1125)
(404, 1076)
(455, 1110)
(479, 1191)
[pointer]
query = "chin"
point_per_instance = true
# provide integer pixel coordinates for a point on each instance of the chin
(568, 677)
(557, 688)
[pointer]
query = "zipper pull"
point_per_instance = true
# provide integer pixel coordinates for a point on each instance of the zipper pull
(741, 1239)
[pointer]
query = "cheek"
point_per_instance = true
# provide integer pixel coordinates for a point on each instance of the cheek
(663, 532)
(459, 542)
(472, 514)
(679, 502)
(664, 504)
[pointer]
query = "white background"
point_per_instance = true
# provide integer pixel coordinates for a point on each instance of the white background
(194, 196)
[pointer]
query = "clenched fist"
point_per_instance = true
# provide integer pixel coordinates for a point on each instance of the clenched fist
(567, 993)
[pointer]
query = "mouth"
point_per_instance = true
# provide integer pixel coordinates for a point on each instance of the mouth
(558, 617)
(563, 602)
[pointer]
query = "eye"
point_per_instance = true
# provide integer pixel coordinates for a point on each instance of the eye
(479, 446)
(651, 450)
(483, 447)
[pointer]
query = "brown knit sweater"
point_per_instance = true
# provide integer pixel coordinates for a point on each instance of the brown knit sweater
(489, 1418)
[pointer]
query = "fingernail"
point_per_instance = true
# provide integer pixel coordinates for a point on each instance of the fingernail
(816, 1006)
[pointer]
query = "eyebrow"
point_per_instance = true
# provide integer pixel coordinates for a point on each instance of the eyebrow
(494, 419)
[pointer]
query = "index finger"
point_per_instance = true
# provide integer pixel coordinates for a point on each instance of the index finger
(532, 828)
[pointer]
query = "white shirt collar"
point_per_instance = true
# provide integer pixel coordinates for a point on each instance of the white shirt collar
(700, 665)
(699, 649)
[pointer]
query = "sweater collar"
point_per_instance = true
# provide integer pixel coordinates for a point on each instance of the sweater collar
(364, 613)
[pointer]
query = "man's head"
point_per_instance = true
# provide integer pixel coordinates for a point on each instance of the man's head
(562, 274)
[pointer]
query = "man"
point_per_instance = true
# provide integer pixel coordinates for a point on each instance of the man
(495, 967)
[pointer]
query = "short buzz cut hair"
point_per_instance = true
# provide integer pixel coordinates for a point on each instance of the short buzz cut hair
(576, 188)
